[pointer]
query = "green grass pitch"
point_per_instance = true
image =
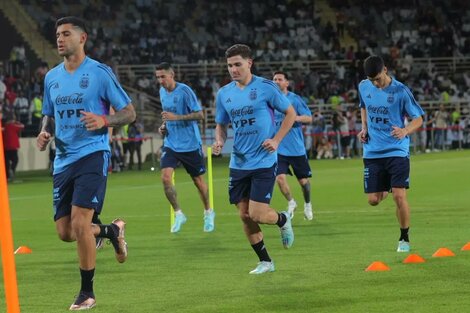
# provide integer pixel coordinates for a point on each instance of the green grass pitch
(193, 271)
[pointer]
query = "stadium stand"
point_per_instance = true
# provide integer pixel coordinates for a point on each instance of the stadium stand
(320, 44)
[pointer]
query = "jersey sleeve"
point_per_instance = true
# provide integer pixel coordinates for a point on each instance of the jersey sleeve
(362, 104)
(111, 90)
(301, 107)
(412, 108)
(275, 98)
(221, 115)
(191, 99)
(47, 103)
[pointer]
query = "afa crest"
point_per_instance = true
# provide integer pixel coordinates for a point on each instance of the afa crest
(84, 82)
(253, 94)
(390, 98)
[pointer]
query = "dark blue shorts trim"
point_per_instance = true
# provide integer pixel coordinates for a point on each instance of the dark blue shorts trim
(82, 184)
(386, 173)
(193, 161)
(299, 164)
(256, 185)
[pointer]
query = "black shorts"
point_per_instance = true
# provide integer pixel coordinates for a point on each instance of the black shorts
(345, 141)
(299, 164)
(385, 173)
(82, 184)
(256, 185)
(193, 161)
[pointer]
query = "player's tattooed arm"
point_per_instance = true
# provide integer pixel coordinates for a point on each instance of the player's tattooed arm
(123, 117)
(47, 125)
(193, 116)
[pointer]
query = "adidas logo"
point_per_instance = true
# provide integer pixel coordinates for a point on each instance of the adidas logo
(228, 101)
(369, 96)
(95, 200)
(268, 196)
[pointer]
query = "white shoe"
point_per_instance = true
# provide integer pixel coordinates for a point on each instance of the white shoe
(263, 267)
(308, 213)
(291, 206)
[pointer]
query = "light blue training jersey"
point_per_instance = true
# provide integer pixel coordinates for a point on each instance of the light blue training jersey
(386, 108)
(293, 143)
(251, 112)
(91, 88)
(182, 136)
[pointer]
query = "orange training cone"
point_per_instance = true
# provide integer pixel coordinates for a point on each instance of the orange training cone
(466, 247)
(23, 250)
(443, 252)
(413, 258)
(377, 266)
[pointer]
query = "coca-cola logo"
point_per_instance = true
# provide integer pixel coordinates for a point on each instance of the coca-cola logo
(383, 110)
(246, 110)
(75, 98)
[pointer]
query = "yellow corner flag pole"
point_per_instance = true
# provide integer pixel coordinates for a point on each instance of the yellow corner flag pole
(172, 211)
(209, 174)
(6, 240)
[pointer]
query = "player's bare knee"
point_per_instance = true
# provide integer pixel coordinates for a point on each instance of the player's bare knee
(244, 216)
(255, 217)
(399, 198)
(166, 179)
(374, 201)
(65, 235)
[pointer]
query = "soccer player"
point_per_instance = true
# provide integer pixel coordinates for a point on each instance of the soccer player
(248, 103)
(385, 103)
(291, 150)
(182, 142)
(78, 94)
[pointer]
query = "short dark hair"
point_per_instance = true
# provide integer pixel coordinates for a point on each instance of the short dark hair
(163, 66)
(238, 49)
(373, 65)
(75, 21)
(281, 73)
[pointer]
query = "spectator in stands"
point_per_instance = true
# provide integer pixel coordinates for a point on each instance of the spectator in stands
(428, 124)
(351, 115)
(291, 151)
(385, 140)
(21, 106)
(11, 144)
(134, 133)
(3, 90)
(324, 149)
(319, 129)
(35, 109)
(441, 118)
(340, 122)
(182, 142)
